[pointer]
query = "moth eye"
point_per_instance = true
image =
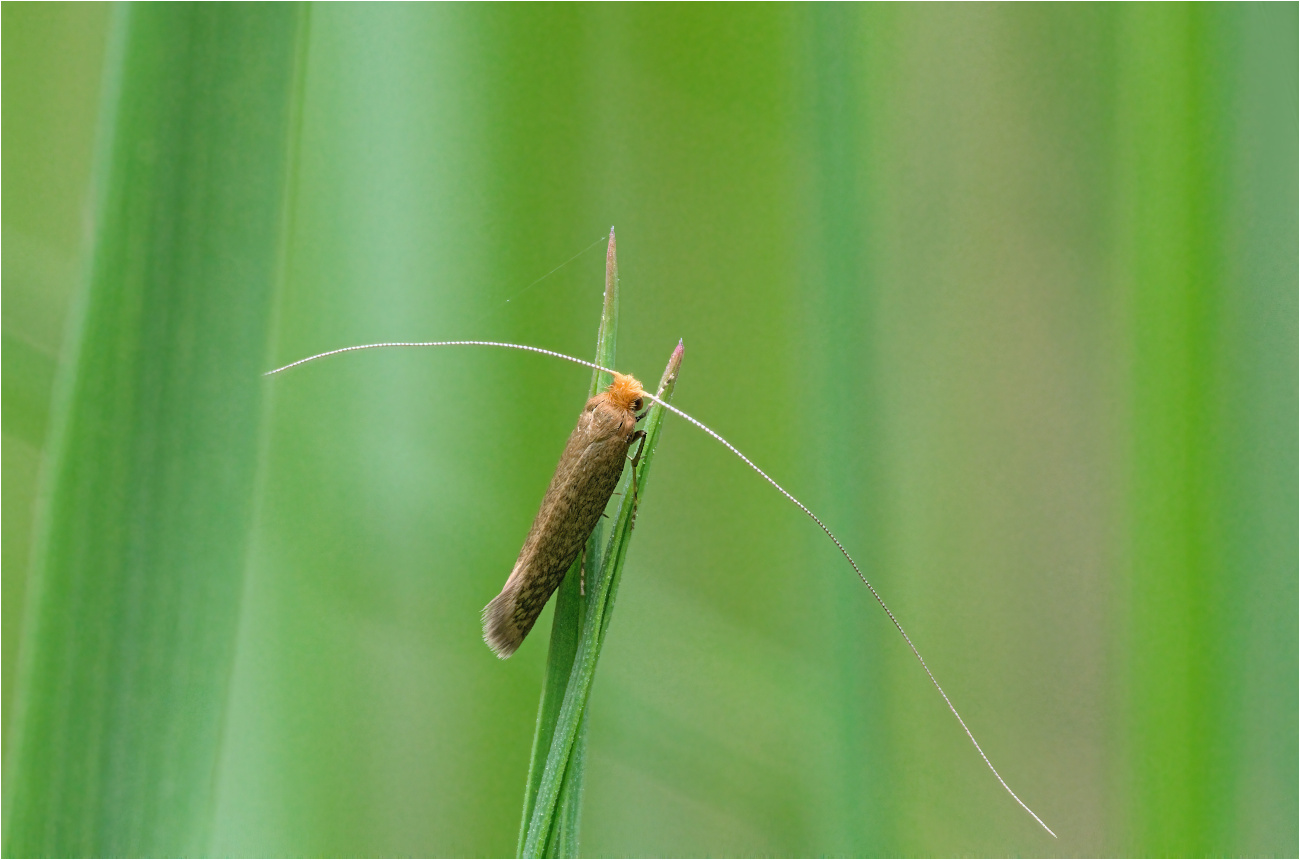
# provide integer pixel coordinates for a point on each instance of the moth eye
(637, 404)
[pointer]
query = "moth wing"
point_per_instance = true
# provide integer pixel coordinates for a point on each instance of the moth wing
(584, 480)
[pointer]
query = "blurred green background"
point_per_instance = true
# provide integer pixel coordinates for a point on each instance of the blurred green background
(1006, 294)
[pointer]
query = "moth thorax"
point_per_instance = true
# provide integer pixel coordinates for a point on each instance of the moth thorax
(624, 392)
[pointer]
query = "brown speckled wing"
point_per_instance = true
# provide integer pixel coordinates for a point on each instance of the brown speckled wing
(584, 480)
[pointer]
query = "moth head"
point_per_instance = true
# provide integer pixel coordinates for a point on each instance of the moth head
(626, 393)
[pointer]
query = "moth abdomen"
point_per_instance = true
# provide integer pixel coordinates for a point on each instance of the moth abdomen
(584, 480)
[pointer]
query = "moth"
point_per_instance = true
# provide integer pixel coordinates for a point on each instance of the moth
(584, 480)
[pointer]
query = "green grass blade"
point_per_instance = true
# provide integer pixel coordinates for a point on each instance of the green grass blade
(560, 759)
(130, 641)
(570, 608)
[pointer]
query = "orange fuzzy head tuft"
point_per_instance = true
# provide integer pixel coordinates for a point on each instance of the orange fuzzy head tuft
(625, 392)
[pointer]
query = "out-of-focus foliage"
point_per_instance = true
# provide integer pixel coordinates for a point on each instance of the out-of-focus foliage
(152, 450)
(1007, 294)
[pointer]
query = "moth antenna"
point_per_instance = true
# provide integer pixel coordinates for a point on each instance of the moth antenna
(748, 462)
(520, 346)
(765, 476)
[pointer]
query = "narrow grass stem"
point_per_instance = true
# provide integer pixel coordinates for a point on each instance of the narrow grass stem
(594, 629)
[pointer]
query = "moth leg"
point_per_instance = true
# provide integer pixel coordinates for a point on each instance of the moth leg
(638, 436)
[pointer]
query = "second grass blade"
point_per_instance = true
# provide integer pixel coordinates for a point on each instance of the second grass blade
(561, 765)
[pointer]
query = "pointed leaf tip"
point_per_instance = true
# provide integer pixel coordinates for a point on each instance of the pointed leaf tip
(670, 372)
